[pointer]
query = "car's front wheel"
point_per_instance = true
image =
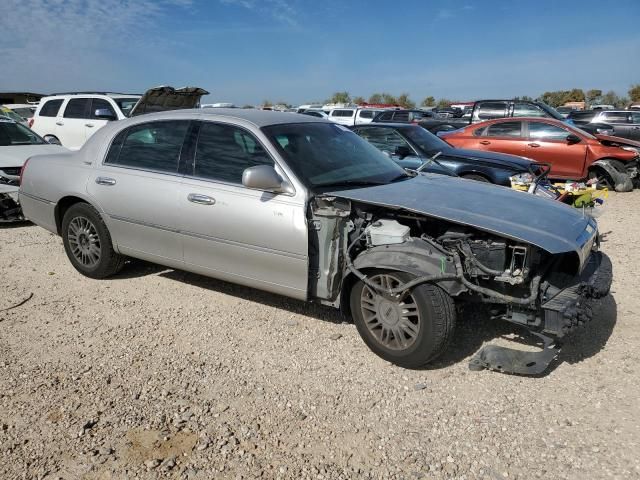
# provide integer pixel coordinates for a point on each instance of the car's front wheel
(409, 333)
(87, 242)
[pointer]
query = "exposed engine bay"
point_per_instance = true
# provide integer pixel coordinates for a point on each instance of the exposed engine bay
(522, 283)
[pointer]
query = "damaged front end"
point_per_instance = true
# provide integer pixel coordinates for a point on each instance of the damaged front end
(10, 210)
(550, 294)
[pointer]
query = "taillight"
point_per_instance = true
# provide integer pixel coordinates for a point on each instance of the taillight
(24, 167)
(31, 122)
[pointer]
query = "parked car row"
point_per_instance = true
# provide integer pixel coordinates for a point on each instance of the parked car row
(299, 206)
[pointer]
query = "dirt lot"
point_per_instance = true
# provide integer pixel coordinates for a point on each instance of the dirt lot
(162, 374)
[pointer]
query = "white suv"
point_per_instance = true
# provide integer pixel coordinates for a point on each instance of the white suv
(70, 119)
(352, 116)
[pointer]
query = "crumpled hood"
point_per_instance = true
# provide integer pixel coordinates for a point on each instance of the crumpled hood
(16, 155)
(492, 158)
(550, 225)
(163, 98)
(608, 139)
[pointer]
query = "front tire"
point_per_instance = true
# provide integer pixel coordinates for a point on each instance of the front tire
(87, 242)
(411, 333)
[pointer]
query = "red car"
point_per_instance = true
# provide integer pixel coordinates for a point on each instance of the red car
(572, 153)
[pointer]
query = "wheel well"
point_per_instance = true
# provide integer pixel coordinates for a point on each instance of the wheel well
(61, 208)
(477, 174)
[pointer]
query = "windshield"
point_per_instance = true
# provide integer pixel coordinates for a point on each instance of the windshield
(17, 134)
(427, 141)
(8, 113)
(324, 154)
(582, 132)
(553, 113)
(125, 104)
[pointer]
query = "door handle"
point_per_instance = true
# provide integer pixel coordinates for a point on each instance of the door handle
(59, 123)
(201, 199)
(485, 142)
(534, 145)
(90, 125)
(105, 181)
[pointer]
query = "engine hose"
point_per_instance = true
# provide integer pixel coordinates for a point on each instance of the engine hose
(466, 249)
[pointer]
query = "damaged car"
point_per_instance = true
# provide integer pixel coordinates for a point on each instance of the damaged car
(17, 144)
(305, 208)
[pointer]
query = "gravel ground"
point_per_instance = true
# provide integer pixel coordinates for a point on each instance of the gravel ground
(163, 374)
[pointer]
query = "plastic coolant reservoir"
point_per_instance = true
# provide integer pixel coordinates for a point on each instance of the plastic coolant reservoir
(386, 232)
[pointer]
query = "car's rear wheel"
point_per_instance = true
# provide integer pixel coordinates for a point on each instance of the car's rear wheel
(605, 178)
(410, 333)
(87, 242)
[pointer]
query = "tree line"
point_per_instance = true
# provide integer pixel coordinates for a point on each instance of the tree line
(554, 98)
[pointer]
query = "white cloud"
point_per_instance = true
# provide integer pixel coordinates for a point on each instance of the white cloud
(74, 43)
(280, 10)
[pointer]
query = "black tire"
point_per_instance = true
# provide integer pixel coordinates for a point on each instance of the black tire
(98, 239)
(605, 177)
(435, 327)
(477, 178)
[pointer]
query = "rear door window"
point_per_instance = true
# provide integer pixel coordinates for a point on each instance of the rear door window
(77, 108)
(367, 113)
(504, 129)
(223, 152)
(342, 113)
(154, 146)
(51, 108)
(547, 132)
(386, 116)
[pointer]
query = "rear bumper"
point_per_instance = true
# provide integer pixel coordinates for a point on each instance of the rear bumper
(572, 307)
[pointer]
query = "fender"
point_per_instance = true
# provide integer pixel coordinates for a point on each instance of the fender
(622, 181)
(415, 257)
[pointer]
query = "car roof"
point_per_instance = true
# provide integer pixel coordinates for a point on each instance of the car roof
(388, 125)
(259, 118)
(90, 94)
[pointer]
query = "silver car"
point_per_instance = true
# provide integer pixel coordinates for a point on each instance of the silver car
(305, 208)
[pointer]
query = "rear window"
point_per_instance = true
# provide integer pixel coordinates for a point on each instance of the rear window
(342, 113)
(385, 116)
(505, 129)
(615, 117)
(490, 110)
(50, 108)
(77, 108)
(367, 113)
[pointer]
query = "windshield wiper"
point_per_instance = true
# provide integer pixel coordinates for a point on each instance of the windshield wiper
(434, 160)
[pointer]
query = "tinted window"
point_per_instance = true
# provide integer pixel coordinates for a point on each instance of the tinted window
(386, 116)
(99, 103)
(367, 113)
(401, 117)
(323, 154)
(635, 117)
(126, 104)
(150, 146)
(546, 131)
(479, 131)
(615, 117)
(50, 108)
(313, 114)
(77, 108)
(521, 109)
(384, 139)
(505, 129)
(489, 110)
(17, 134)
(223, 152)
(342, 113)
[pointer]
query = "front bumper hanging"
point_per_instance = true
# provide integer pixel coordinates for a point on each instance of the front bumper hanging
(563, 312)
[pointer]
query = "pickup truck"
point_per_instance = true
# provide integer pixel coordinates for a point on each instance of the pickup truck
(492, 109)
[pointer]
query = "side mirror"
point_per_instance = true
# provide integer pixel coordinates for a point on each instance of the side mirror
(571, 139)
(403, 151)
(52, 140)
(265, 177)
(104, 114)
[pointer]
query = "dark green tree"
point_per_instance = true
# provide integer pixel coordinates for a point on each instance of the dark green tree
(404, 101)
(428, 102)
(375, 98)
(634, 92)
(359, 100)
(340, 97)
(443, 102)
(593, 96)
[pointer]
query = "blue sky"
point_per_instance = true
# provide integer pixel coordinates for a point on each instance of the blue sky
(246, 51)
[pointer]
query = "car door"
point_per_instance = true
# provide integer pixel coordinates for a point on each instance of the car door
(44, 123)
(71, 126)
(548, 143)
(137, 186)
(503, 137)
(235, 233)
(95, 122)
